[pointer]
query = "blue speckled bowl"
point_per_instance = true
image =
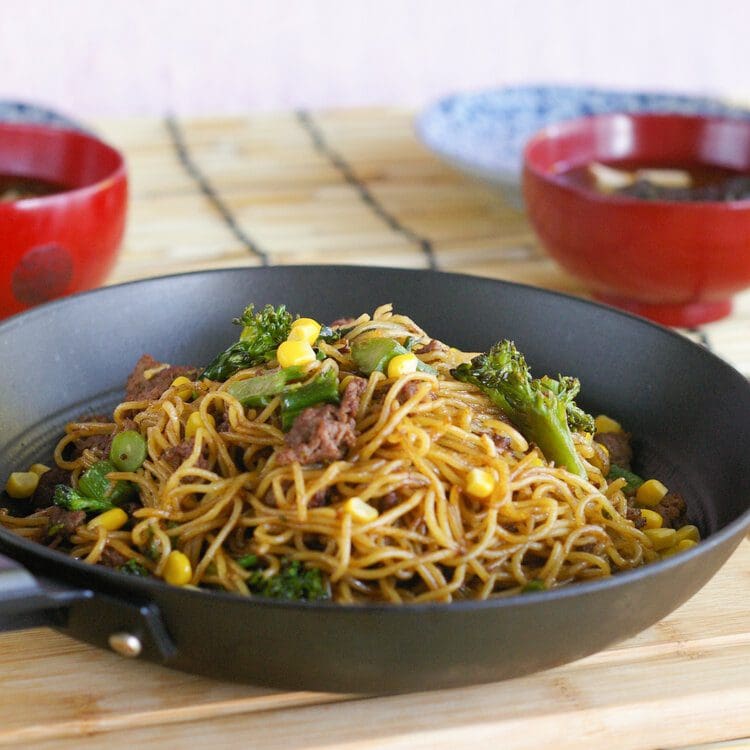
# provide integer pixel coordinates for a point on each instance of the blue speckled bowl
(483, 134)
(15, 111)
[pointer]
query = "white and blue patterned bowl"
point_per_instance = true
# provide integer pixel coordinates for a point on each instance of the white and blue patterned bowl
(483, 134)
(24, 112)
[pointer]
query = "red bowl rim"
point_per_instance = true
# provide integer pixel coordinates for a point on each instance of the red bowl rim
(115, 175)
(565, 127)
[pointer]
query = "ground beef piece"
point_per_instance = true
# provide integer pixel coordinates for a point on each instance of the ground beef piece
(112, 558)
(391, 500)
(99, 444)
(433, 346)
(410, 390)
(502, 442)
(139, 388)
(318, 435)
(323, 433)
(45, 490)
(672, 509)
(618, 445)
(319, 499)
(63, 522)
(351, 397)
(634, 514)
(175, 455)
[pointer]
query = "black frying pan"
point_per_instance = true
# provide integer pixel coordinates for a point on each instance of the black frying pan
(688, 409)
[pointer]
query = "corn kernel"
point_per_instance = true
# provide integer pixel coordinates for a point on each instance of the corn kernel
(178, 571)
(480, 483)
(402, 364)
(295, 354)
(650, 492)
(681, 546)
(22, 484)
(360, 510)
(305, 329)
(603, 423)
(195, 421)
(652, 518)
(660, 538)
(39, 469)
(184, 387)
(684, 544)
(688, 532)
(112, 519)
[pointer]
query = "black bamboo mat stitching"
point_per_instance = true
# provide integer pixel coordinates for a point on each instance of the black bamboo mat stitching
(183, 154)
(702, 337)
(345, 170)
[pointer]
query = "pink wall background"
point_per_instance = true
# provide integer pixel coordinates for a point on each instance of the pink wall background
(118, 57)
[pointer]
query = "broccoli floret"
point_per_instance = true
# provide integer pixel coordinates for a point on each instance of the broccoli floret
(293, 581)
(632, 481)
(134, 568)
(262, 332)
(543, 409)
(70, 499)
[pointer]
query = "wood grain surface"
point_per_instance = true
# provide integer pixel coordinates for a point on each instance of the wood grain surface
(356, 187)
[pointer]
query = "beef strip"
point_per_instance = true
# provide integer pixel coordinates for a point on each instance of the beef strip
(319, 499)
(99, 444)
(351, 397)
(672, 509)
(432, 346)
(112, 558)
(502, 442)
(63, 522)
(138, 388)
(388, 501)
(175, 455)
(321, 434)
(410, 390)
(45, 490)
(634, 514)
(618, 445)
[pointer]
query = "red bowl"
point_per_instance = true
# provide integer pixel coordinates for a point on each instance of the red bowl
(65, 242)
(678, 263)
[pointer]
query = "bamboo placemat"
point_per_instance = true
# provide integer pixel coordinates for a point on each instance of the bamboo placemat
(338, 187)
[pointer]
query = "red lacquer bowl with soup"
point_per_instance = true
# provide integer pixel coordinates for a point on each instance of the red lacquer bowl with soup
(674, 254)
(63, 200)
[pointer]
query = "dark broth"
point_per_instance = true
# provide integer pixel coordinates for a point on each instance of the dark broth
(14, 187)
(709, 182)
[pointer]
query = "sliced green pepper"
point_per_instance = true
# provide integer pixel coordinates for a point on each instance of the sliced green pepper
(258, 392)
(323, 389)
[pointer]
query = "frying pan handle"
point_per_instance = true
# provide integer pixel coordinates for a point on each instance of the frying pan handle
(127, 626)
(26, 601)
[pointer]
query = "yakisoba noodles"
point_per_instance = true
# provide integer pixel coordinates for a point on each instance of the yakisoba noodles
(402, 484)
